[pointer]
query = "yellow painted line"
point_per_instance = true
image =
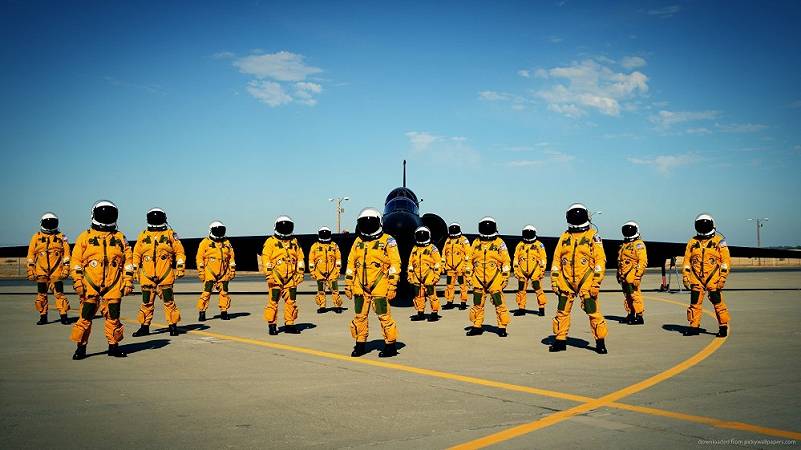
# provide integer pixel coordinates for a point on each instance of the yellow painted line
(606, 400)
(508, 386)
(560, 416)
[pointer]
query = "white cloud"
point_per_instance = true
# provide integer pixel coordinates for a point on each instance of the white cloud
(269, 92)
(442, 149)
(666, 119)
(665, 12)
(590, 85)
(632, 62)
(541, 73)
(554, 39)
(524, 73)
(279, 78)
(699, 130)
(548, 157)
(666, 163)
(741, 127)
(493, 96)
(795, 104)
(281, 66)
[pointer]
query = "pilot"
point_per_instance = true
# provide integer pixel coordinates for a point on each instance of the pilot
(489, 274)
(283, 264)
(216, 267)
(156, 252)
(706, 267)
(529, 267)
(455, 261)
(632, 260)
(325, 262)
(48, 266)
(423, 273)
(578, 268)
(371, 280)
(102, 272)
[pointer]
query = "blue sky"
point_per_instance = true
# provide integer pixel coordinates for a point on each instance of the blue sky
(652, 111)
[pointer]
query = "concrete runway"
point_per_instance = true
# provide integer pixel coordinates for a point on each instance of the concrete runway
(229, 384)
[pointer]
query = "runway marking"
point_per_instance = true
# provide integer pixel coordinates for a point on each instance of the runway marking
(612, 398)
(613, 403)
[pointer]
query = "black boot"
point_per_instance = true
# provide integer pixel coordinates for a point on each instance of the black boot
(723, 331)
(502, 332)
(462, 306)
(143, 330)
(42, 320)
(174, 329)
(223, 315)
(64, 320)
(629, 320)
(359, 349)
(272, 329)
(520, 312)
(600, 347)
(475, 331)
(320, 310)
(692, 331)
(433, 317)
(80, 352)
(114, 350)
(389, 351)
(542, 312)
(448, 306)
(558, 345)
(291, 329)
(420, 316)
(201, 316)
(639, 320)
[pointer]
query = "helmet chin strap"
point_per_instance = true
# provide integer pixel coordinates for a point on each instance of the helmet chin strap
(370, 237)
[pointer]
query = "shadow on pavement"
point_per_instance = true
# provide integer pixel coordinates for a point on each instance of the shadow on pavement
(378, 345)
(299, 326)
(619, 319)
(571, 342)
(682, 328)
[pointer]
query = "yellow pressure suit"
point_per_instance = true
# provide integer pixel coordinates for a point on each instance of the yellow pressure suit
(283, 266)
(632, 260)
(706, 266)
(489, 272)
(48, 266)
(455, 262)
(154, 255)
(578, 268)
(102, 273)
(216, 266)
(325, 262)
(529, 267)
(371, 278)
(423, 273)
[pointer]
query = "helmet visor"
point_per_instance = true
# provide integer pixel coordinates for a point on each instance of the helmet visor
(217, 231)
(487, 227)
(629, 231)
(284, 227)
(368, 225)
(422, 236)
(529, 235)
(50, 223)
(577, 216)
(704, 226)
(156, 218)
(105, 215)
(324, 234)
(454, 230)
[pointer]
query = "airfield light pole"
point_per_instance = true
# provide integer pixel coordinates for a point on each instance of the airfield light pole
(338, 201)
(758, 221)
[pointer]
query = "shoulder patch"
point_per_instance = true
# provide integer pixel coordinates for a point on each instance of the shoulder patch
(597, 238)
(723, 243)
(502, 247)
(391, 242)
(640, 245)
(175, 235)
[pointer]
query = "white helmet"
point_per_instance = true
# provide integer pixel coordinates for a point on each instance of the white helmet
(284, 226)
(368, 224)
(49, 223)
(529, 233)
(217, 230)
(578, 217)
(104, 215)
(705, 225)
(454, 230)
(422, 236)
(630, 231)
(324, 234)
(156, 219)
(487, 227)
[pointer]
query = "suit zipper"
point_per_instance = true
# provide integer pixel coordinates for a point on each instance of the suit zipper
(47, 255)
(105, 264)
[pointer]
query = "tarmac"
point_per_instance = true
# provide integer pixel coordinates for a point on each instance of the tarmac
(228, 384)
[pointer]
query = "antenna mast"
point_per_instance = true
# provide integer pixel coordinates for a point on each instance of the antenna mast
(404, 173)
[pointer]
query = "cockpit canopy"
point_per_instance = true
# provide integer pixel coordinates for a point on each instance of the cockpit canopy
(402, 200)
(402, 192)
